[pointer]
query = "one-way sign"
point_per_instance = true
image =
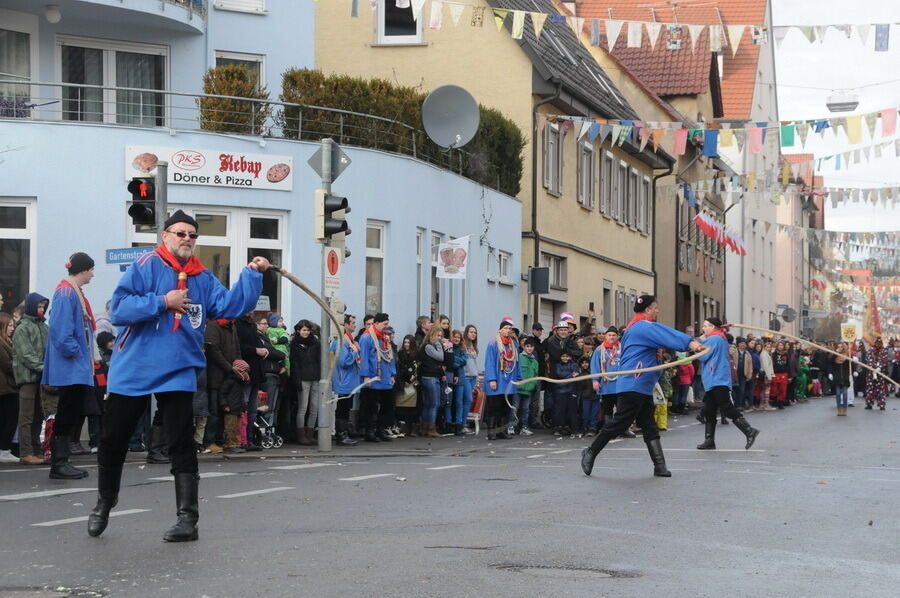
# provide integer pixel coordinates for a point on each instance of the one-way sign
(339, 161)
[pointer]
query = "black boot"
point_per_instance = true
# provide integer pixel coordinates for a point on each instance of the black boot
(589, 454)
(710, 442)
(60, 468)
(342, 435)
(749, 431)
(659, 460)
(108, 481)
(157, 451)
(186, 491)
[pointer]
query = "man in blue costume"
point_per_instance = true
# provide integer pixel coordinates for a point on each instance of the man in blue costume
(501, 369)
(377, 369)
(640, 341)
(161, 305)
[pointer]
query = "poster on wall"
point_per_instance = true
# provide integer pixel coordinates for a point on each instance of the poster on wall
(453, 258)
(213, 168)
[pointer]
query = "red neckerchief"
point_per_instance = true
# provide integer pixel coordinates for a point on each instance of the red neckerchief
(223, 322)
(192, 267)
(505, 340)
(718, 332)
(349, 341)
(609, 345)
(637, 318)
(87, 304)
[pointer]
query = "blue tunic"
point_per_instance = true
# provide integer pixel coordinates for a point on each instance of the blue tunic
(67, 357)
(607, 385)
(345, 376)
(371, 366)
(149, 356)
(716, 363)
(638, 350)
(492, 371)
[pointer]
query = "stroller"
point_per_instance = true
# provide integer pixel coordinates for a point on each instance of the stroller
(264, 430)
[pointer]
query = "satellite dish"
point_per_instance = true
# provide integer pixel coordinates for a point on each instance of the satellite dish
(789, 315)
(450, 116)
(775, 325)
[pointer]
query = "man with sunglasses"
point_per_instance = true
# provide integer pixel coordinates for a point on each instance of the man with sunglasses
(161, 305)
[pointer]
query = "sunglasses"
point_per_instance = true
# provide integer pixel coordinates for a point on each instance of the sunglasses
(182, 234)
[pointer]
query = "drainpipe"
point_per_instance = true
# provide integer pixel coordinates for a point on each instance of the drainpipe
(653, 241)
(534, 211)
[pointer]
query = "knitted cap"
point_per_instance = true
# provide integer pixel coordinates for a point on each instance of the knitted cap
(79, 262)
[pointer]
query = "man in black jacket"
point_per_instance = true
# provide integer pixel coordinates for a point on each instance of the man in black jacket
(561, 341)
(221, 352)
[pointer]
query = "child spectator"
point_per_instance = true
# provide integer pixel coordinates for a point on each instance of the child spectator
(661, 411)
(685, 378)
(231, 398)
(201, 409)
(565, 396)
(528, 363)
(590, 400)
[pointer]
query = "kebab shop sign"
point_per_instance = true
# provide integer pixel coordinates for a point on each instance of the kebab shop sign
(189, 166)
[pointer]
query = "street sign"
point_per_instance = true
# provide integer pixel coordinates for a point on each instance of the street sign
(817, 313)
(782, 306)
(339, 161)
(332, 267)
(789, 315)
(126, 255)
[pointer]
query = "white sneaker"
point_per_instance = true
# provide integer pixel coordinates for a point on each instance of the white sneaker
(526, 432)
(7, 457)
(94, 450)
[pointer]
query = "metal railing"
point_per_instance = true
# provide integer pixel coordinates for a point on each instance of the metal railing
(155, 108)
(198, 7)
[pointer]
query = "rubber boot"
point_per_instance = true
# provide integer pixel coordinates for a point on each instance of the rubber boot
(305, 436)
(654, 447)
(749, 431)
(710, 442)
(186, 494)
(589, 454)
(157, 451)
(109, 479)
(60, 468)
(343, 436)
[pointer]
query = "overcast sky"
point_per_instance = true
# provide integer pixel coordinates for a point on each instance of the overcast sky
(808, 73)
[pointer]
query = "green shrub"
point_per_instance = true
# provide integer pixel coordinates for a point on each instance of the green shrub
(493, 157)
(232, 115)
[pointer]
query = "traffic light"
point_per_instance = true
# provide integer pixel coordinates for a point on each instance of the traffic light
(143, 201)
(331, 224)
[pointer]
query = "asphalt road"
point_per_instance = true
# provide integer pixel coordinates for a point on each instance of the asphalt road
(809, 511)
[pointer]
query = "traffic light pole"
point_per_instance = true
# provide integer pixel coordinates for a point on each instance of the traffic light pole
(162, 197)
(325, 408)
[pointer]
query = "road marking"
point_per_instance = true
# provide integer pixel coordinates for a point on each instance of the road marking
(750, 472)
(445, 467)
(554, 466)
(85, 518)
(669, 450)
(680, 459)
(360, 478)
(535, 456)
(254, 492)
(746, 461)
(677, 469)
(21, 469)
(203, 476)
(44, 493)
(562, 451)
(882, 480)
(876, 467)
(302, 466)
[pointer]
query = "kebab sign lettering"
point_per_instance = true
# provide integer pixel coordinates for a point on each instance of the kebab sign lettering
(188, 166)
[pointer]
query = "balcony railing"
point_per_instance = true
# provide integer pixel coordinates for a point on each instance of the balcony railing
(198, 7)
(156, 108)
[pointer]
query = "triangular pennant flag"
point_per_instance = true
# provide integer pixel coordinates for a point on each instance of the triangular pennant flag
(518, 25)
(871, 120)
(593, 132)
(437, 14)
(613, 28)
(882, 37)
(780, 33)
(695, 30)
(802, 129)
(820, 33)
(854, 129)
(857, 158)
(595, 32)
(604, 132)
(417, 6)
(785, 175)
(787, 135)
(680, 141)
(756, 140)
(653, 30)
(715, 38)
(878, 150)
(585, 127)
(867, 151)
(888, 122)
(809, 32)
(577, 25)
(735, 33)
(740, 135)
(635, 32)
(863, 32)
(644, 136)
(538, 19)
(726, 138)
(657, 138)
(456, 11)
(500, 17)
(623, 135)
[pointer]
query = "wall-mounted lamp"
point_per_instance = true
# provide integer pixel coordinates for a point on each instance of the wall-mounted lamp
(52, 14)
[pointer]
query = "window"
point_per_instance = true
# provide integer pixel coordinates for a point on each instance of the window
(374, 266)
(17, 269)
(255, 6)
(553, 159)
(112, 64)
(620, 192)
(586, 175)
(631, 200)
(436, 240)
(503, 266)
(492, 265)
(397, 25)
(606, 183)
(620, 307)
(645, 211)
(608, 318)
(420, 261)
(255, 63)
(558, 270)
(15, 65)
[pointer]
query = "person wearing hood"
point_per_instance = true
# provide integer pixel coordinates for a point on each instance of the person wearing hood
(305, 375)
(104, 322)
(716, 375)
(69, 360)
(29, 343)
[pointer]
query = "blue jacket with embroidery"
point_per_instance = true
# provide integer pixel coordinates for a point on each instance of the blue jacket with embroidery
(492, 371)
(716, 363)
(149, 356)
(371, 366)
(345, 376)
(68, 356)
(638, 350)
(600, 355)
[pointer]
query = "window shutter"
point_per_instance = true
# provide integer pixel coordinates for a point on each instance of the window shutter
(241, 5)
